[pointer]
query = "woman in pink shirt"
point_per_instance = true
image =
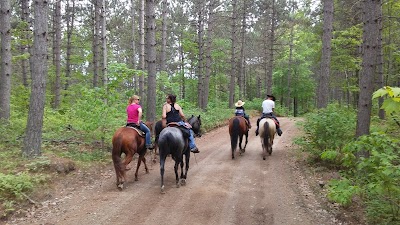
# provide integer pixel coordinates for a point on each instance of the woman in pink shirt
(134, 113)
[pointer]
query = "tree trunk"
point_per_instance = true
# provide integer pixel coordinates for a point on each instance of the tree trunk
(241, 77)
(70, 12)
(323, 85)
(5, 72)
(271, 41)
(290, 67)
(33, 136)
(372, 13)
(96, 43)
(142, 46)
(103, 20)
(133, 46)
(25, 47)
(57, 53)
(164, 36)
(151, 59)
(200, 43)
(207, 73)
(233, 54)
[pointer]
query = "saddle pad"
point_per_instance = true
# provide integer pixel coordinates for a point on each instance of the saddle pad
(140, 132)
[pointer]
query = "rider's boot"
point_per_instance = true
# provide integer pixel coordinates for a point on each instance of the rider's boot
(279, 131)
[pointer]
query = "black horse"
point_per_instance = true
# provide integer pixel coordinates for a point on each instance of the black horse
(194, 121)
(174, 141)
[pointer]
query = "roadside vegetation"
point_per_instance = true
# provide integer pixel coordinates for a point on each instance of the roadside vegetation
(330, 142)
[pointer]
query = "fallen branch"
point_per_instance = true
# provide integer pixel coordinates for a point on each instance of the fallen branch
(27, 197)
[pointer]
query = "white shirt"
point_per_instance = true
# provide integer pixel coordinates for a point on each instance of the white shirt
(268, 106)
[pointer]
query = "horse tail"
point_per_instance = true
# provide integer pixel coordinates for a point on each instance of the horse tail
(116, 155)
(235, 133)
(266, 133)
(157, 130)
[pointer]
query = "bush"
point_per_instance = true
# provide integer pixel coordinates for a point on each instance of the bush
(328, 129)
(378, 176)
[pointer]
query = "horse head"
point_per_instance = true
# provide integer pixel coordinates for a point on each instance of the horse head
(195, 122)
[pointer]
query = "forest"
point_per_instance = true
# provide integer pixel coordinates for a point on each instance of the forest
(68, 68)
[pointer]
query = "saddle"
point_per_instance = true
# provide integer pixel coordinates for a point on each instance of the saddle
(269, 117)
(247, 122)
(137, 128)
(184, 128)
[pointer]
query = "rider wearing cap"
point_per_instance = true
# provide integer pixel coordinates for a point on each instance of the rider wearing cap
(268, 106)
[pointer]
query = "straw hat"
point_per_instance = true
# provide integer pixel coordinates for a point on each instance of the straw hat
(239, 103)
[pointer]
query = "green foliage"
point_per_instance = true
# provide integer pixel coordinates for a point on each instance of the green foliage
(328, 129)
(16, 186)
(377, 177)
(342, 191)
(392, 103)
(39, 164)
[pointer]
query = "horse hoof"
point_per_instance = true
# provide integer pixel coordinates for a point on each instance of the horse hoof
(136, 179)
(183, 182)
(120, 186)
(162, 190)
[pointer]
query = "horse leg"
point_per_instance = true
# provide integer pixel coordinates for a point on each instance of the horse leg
(137, 167)
(264, 153)
(162, 170)
(240, 145)
(176, 173)
(247, 140)
(145, 164)
(183, 178)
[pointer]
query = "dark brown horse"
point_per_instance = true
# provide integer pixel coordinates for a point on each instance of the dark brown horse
(237, 128)
(128, 140)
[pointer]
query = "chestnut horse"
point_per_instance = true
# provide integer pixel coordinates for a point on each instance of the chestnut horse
(127, 140)
(237, 128)
(267, 130)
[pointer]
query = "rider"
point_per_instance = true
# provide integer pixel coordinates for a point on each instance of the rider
(172, 112)
(134, 113)
(268, 106)
(240, 111)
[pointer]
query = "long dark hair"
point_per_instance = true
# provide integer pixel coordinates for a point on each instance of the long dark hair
(172, 98)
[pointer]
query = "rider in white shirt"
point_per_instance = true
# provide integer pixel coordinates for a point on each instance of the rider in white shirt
(268, 106)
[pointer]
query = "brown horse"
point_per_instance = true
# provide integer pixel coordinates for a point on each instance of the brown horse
(267, 133)
(237, 128)
(127, 140)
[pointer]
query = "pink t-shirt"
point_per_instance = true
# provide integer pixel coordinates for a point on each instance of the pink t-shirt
(133, 113)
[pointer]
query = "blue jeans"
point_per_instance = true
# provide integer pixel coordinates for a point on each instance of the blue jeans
(146, 130)
(191, 137)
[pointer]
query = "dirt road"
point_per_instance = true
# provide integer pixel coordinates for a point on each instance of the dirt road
(219, 190)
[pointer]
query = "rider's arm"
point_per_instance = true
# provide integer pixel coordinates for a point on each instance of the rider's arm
(140, 113)
(180, 112)
(164, 115)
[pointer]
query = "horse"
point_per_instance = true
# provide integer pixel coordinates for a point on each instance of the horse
(267, 130)
(174, 141)
(128, 140)
(194, 121)
(237, 128)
